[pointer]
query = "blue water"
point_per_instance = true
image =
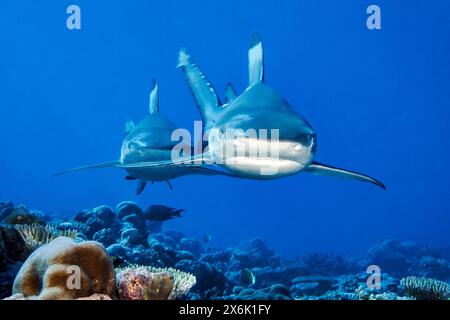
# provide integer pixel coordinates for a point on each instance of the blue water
(378, 100)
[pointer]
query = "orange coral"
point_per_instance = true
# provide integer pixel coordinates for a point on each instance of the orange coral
(64, 269)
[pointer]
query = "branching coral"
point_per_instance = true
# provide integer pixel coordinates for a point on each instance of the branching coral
(36, 235)
(425, 288)
(149, 283)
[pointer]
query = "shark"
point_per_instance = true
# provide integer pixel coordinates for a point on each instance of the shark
(150, 140)
(292, 142)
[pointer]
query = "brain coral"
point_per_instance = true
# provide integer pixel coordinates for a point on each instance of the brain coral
(64, 270)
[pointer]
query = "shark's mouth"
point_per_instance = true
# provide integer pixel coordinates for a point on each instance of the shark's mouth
(263, 168)
(261, 158)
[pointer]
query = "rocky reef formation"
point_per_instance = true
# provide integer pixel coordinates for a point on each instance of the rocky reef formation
(153, 262)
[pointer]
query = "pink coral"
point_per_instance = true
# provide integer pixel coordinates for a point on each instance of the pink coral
(141, 284)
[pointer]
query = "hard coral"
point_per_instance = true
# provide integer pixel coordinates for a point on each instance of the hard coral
(36, 235)
(64, 270)
(148, 283)
(21, 215)
(425, 288)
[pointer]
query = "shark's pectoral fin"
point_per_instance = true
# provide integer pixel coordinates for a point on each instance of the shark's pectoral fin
(255, 61)
(198, 164)
(112, 164)
(322, 169)
(196, 160)
(141, 187)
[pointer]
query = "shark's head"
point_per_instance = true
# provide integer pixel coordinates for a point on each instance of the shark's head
(268, 144)
(148, 140)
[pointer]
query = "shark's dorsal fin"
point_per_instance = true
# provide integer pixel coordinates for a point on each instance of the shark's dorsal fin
(230, 93)
(154, 98)
(255, 61)
(204, 94)
(129, 126)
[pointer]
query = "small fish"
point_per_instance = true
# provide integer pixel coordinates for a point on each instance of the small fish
(118, 262)
(162, 213)
(247, 277)
(206, 238)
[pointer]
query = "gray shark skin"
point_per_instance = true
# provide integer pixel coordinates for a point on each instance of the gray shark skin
(258, 107)
(150, 141)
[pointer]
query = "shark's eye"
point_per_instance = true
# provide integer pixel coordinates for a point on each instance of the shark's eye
(132, 145)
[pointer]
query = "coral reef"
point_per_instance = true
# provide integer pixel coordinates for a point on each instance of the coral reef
(182, 268)
(36, 235)
(425, 288)
(21, 215)
(210, 280)
(48, 272)
(12, 247)
(274, 292)
(149, 283)
(408, 258)
(6, 208)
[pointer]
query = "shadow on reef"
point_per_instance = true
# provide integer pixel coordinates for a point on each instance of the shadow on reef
(122, 255)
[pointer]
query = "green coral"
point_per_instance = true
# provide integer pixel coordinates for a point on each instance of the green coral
(36, 235)
(182, 281)
(425, 288)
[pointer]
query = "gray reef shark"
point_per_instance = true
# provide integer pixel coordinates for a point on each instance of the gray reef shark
(258, 107)
(150, 141)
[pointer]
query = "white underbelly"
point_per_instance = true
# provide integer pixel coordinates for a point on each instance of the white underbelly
(259, 158)
(262, 168)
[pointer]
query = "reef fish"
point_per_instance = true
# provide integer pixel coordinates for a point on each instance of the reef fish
(247, 277)
(162, 213)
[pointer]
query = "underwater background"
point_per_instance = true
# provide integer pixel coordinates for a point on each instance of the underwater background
(378, 100)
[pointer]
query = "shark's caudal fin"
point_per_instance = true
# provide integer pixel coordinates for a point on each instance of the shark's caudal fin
(230, 93)
(154, 98)
(202, 90)
(255, 61)
(322, 169)
(112, 164)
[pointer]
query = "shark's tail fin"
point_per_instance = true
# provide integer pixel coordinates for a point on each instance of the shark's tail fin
(204, 94)
(322, 169)
(111, 164)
